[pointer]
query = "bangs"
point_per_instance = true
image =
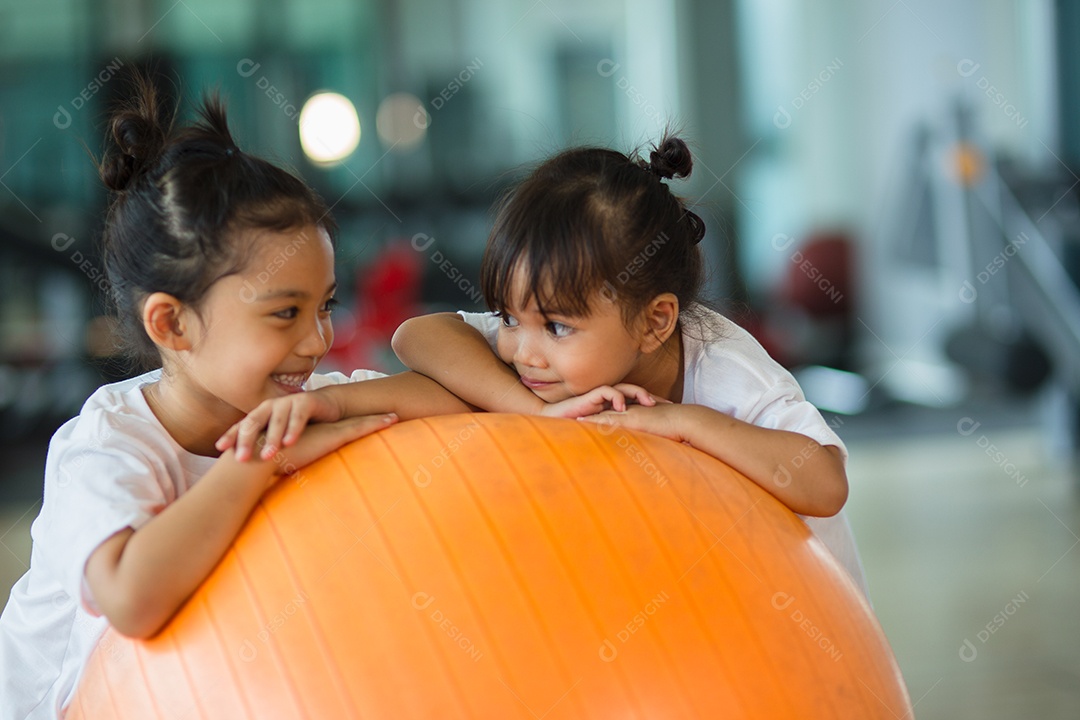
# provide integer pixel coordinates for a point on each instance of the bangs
(555, 256)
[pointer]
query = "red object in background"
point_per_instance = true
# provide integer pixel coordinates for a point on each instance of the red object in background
(819, 279)
(387, 294)
(808, 318)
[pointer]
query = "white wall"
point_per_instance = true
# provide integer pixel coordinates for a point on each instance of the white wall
(881, 67)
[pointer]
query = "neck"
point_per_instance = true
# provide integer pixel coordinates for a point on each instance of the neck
(661, 371)
(192, 417)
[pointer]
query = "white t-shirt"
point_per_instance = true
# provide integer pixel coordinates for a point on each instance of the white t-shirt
(727, 370)
(113, 466)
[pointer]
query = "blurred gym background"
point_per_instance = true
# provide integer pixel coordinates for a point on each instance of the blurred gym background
(890, 188)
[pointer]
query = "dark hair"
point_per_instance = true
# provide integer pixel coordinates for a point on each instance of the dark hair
(595, 220)
(183, 197)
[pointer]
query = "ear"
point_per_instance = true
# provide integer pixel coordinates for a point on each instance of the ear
(658, 321)
(165, 319)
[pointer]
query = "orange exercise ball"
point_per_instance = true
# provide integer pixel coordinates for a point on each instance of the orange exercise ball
(502, 566)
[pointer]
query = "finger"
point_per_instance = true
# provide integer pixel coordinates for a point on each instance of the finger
(249, 430)
(639, 394)
(275, 429)
(298, 420)
(618, 401)
(227, 440)
(358, 427)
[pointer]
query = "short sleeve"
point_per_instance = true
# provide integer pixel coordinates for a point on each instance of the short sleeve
(98, 480)
(784, 407)
(735, 375)
(318, 380)
(486, 323)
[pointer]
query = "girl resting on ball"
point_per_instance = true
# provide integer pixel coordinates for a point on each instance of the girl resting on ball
(222, 270)
(593, 270)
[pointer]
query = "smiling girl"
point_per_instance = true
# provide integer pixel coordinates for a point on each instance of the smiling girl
(222, 271)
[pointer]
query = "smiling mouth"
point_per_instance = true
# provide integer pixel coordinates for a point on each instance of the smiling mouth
(293, 382)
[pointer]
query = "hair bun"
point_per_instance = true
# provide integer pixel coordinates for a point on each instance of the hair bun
(671, 159)
(137, 139)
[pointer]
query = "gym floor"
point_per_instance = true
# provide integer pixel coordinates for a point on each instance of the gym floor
(968, 534)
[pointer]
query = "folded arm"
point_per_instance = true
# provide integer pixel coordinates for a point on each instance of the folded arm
(448, 350)
(798, 471)
(140, 578)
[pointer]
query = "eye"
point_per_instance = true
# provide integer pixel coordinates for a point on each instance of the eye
(288, 313)
(558, 329)
(329, 305)
(507, 320)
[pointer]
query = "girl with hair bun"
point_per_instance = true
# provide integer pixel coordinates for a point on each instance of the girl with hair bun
(221, 269)
(593, 271)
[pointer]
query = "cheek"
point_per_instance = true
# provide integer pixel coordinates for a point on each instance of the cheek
(504, 347)
(328, 332)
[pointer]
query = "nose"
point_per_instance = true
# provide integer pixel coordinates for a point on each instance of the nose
(527, 353)
(317, 341)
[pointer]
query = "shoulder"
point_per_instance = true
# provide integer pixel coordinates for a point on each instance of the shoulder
(114, 416)
(721, 353)
(728, 370)
(487, 323)
(114, 446)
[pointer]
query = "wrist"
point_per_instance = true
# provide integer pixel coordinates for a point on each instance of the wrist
(335, 398)
(686, 419)
(535, 405)
(253, 476)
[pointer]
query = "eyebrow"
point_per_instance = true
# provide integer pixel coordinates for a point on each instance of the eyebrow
(287, 293)
(558, 312)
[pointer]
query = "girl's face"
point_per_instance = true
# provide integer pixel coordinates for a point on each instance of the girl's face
(261, 332)
(559, 356)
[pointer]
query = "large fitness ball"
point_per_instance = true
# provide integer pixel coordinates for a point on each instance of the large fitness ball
(501, 566)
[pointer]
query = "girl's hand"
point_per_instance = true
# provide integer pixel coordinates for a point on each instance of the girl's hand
(599, 399)
(324, 438)
(664, 419)
(282, 419)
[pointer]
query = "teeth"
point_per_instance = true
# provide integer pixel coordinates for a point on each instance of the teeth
(296, 379)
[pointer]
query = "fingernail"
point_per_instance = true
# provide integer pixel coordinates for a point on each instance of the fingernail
(390, 417)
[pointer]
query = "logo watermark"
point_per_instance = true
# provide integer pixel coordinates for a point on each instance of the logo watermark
(968, 292)
(781, 242)
(61, 242)
(608, 650)
(966, 426)
(248, 67)
(422, 601)
(422, 119)
(608, 67)
(968, 649)
(633, 267)
(422, 477)
(967, 68)
(782, 476)
(421, 242)
(249, 650)
(248, 293)
(62, 118)
(607, 425)
(782, 601)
